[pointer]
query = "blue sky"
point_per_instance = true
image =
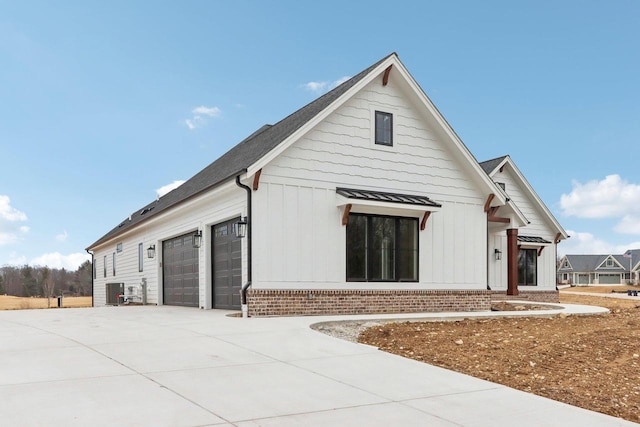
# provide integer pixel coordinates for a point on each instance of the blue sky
(103, 103)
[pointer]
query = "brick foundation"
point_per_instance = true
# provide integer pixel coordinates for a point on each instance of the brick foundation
(313, 302)
(539, 296)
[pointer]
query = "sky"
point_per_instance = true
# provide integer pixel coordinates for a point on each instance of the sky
(104, 104)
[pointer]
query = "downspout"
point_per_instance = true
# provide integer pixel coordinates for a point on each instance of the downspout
(243, 298)
(92, 270)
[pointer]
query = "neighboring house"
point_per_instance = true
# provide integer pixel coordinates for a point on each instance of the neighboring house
(583, 270)
(363, 201)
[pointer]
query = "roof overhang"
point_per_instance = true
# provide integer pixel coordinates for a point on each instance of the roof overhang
(379, 202)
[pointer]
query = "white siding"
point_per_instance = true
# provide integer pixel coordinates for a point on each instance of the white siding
(298, 237)
(218, 205)
(539, 226)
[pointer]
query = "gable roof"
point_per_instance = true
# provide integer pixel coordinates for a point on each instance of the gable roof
(266, 143)
(237, 159)
(491, 166)
(593, 263)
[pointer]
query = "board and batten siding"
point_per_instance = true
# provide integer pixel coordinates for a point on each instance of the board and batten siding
(539, 226)
(215, 206)
(299, 241)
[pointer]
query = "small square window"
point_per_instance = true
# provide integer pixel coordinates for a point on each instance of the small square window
(384, 128)
(119, 247)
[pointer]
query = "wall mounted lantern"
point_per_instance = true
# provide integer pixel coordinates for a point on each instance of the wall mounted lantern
(240, 228)
(151, 251)
(197, 239)
(498, 254)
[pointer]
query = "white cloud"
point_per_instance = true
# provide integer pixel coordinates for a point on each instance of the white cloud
(10, 219)
(320, 87)
(586, 243)
(8, 213)
(15, 259)
(199, 116)
(206, 111)
(169, 187)
(57, 260)
(611, 197)
(62, 237)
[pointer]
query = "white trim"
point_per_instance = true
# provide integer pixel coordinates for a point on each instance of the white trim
(487, 184)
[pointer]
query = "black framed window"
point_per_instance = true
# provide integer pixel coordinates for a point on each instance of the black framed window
(114, 263)
(528, 267)
(384, 128)
(382, 248)
(140, 257)
(105, 265)
(95, 269)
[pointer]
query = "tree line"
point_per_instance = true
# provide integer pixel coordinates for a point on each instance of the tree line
(36, 281)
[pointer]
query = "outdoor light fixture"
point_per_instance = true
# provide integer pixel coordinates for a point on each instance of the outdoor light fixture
(240, 228)
(151, 251)
(197, 239)
(498, 254)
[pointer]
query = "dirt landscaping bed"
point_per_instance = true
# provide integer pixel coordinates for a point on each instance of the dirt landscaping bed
(588, 361)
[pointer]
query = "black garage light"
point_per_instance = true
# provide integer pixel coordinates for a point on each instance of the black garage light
(197, 239)
(240, 228)
(151, 251)
(498, 254)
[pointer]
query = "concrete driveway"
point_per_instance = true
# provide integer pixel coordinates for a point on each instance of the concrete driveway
(169, 366)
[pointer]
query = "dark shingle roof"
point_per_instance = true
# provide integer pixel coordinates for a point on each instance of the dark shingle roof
(380, 196)
(490, 165)
(589, 263)
(239, 158)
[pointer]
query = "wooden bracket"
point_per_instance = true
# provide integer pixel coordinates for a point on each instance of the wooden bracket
(557, 239)
(493, 210)
(423, 223)
(345, 214)
(501, 168)
(540, 250)
(487, 204)
(498, 219)
(256, 180)
(385, 77)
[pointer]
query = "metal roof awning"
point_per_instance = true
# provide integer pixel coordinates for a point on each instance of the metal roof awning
(379, 196)
(532, 239)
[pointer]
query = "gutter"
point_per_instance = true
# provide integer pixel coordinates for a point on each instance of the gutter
(92, 270)
(245, 287)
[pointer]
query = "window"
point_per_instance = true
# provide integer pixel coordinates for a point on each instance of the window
(609, 262)
(384, 128)
(140, 257)
(105, 265)
(382, 248)
(95, 269)
(566, 264)
(502, 185)
(119, 247)
(114, 263)
(528, 267)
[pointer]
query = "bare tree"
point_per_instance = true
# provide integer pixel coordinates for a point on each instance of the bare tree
(47, 283)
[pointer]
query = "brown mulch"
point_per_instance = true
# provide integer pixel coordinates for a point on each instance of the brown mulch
(588, 361)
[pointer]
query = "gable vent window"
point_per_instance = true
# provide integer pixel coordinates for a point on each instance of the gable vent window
(384, 128)
(609, 262)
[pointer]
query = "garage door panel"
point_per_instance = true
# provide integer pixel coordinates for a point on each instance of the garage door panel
(180, 272)
(227, 266)
(609, 279)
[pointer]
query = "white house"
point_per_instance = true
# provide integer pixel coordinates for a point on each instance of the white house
(363, 201)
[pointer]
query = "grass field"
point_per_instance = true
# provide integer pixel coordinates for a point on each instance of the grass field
(8, 302)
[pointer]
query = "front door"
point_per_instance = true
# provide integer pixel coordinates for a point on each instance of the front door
(227, 266)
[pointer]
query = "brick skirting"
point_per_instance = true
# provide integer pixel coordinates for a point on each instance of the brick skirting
(540, 296)
(313, 302)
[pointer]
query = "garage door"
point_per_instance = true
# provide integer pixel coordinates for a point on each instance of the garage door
(583, 279)
(227, 266)
(609, 279)
(180, 271)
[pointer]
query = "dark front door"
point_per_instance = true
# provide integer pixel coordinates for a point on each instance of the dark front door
(180, 271)
(227, 266)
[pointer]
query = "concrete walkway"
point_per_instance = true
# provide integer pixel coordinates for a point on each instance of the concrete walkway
(169, 366)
